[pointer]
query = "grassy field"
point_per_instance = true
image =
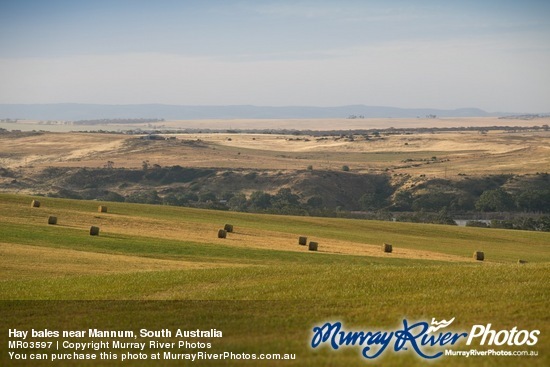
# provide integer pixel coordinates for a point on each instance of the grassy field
(472, 153)
(259, 286)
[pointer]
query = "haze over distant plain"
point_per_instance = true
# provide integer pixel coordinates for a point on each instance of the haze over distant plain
(492, 55)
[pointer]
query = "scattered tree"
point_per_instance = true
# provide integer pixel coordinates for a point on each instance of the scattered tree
(496, 200)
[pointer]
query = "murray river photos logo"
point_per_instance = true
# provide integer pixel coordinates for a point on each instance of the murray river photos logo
(428, 341)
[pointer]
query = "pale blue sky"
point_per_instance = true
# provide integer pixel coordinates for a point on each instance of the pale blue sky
(443, 54)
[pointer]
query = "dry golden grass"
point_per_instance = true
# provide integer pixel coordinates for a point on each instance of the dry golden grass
(457, 152)
(49, 148)
(31, 262)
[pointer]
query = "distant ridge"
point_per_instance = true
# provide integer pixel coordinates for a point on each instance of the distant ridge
(77, 111)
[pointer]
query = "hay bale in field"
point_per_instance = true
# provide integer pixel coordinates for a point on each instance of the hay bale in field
(102, 209)
(302, 240)
(228, 228)
(520, 261)
(94, 231)
(222, 233)
(52, 220)
(479, 256)
(387, 248)
(313, 246)
(35, 204)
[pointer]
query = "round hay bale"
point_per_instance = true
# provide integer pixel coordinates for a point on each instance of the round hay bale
(102, 209)
(228, 228)
(222, 233)
(52, 220)
(387, 248)
(313, 246)
(520, 261)
(479, 256)
(94, 231)
(302, 240)
(35, 204)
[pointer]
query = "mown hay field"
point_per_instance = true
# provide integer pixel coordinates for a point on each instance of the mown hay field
(259, 285)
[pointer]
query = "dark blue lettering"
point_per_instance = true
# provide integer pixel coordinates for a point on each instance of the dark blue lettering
(405, 335)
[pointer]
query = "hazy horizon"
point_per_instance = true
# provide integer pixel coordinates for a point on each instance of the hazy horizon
(491, 55)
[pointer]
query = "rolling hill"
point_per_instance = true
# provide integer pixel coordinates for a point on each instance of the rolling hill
(146, 255)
